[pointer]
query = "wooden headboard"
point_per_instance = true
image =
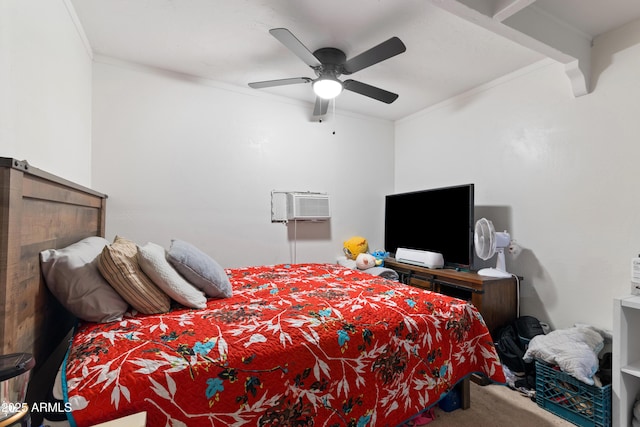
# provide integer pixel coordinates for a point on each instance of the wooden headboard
(38, 211)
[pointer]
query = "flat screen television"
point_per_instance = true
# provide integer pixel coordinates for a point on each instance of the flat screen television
(437, 220)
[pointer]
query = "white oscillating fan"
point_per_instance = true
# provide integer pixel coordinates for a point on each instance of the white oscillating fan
(488, 242)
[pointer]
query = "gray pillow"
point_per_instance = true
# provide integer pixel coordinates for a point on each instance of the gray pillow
(72, 276)
(199, 269)
(153, 261)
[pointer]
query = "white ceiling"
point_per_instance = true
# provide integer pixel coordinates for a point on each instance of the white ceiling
(228, 41)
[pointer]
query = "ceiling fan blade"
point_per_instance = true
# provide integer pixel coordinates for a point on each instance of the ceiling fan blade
(321, 107)
(290, 41)
(379, 53)
(370, 91)
(280, 82)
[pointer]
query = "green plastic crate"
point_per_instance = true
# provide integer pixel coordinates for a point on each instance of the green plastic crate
(579, 403)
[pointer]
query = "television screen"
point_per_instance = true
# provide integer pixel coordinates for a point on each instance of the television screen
(437, 220)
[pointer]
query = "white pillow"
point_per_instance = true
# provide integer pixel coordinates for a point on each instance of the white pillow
(153, 261)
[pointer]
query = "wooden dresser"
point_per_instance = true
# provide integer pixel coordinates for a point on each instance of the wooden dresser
(495, 298)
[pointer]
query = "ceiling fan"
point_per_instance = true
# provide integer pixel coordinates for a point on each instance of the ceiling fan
(330, 63)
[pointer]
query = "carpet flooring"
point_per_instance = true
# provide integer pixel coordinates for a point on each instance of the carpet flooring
(498, 406)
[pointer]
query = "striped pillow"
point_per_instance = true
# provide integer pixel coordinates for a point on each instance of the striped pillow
(118, 263)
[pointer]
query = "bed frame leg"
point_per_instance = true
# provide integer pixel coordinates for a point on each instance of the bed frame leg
(465, 393)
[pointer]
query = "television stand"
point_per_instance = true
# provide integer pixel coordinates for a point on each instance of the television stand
(495, 298)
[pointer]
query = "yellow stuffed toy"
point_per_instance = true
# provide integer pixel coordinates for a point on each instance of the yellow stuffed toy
(355, 246)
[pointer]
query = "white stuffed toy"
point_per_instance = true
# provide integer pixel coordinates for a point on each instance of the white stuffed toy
(364, 261)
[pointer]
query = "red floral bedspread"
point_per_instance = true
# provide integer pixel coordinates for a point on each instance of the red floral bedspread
(295, 346)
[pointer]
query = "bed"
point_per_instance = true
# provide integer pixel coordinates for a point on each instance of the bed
(305, 344)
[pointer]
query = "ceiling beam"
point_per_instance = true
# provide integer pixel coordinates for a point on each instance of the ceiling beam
(506, 8)
(523, 23)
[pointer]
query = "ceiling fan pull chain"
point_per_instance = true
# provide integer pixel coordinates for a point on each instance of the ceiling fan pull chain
(333, 112)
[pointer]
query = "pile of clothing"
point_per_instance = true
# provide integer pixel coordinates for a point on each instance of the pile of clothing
(574, 350)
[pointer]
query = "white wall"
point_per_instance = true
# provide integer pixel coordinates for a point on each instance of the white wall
(45, 87)
(186, 158)
(195, 160)
(558, 172)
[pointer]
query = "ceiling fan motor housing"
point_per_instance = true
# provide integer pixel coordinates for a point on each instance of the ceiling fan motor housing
(332, 60)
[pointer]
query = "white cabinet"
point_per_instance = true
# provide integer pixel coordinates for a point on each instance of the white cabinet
(626, 358)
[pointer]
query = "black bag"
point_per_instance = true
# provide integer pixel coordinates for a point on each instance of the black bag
(510, 349)
(512, 341)
(528, 327)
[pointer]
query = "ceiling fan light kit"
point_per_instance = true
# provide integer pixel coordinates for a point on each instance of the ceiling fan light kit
(329, 63)
(327, 87)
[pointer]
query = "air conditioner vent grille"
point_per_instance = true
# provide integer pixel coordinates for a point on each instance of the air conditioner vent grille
(308, 206)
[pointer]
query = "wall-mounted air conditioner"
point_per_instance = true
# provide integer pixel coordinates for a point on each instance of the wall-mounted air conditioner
(308, 206)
